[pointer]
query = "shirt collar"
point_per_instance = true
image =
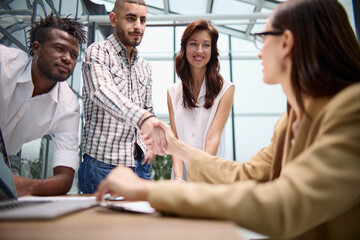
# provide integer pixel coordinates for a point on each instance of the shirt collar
(25, 77)
(26, 74)
(54, 92)
(121, 49)
(202, 91)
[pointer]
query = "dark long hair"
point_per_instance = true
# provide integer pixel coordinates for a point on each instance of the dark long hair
(214, 81)
(326, 54)
(45, 25)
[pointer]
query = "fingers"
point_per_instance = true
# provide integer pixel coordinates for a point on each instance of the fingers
(157, 145)
(164, 126)
(112, 183)
(147, 140)
(124, 182)
(159, 141)
(156, 141)
(162, 144)
(144, 136)
(163, 141)
(146, 160)
(179, 180)
(151, 160)
(101, 190)
(149, 157)
(154, 136)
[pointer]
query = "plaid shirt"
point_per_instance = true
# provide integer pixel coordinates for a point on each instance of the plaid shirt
(116, 95)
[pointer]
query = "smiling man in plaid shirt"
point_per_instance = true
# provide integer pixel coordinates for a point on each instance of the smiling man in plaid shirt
(117, 100)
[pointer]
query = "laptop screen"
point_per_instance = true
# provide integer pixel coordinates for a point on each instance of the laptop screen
(7, 185)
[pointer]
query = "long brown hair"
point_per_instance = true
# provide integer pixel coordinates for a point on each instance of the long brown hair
(326, 53)
(214, 80)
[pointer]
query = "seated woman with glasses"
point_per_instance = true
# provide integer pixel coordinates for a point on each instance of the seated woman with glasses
(305, 184)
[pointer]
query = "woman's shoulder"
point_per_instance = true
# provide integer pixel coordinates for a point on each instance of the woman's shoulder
(176, 87)
(225, 87)
(347, 100)
(227, 84)
(175, 90)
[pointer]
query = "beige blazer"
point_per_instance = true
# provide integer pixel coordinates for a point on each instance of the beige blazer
(306, 190)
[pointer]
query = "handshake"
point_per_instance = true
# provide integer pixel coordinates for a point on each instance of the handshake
(158, 136)
(160, 139)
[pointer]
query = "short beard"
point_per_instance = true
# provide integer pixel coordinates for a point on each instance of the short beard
(124, 40)
(46, 71)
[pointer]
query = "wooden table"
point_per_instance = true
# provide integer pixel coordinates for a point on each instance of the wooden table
(102, 223)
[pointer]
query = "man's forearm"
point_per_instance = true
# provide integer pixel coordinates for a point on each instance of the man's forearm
(58, 184)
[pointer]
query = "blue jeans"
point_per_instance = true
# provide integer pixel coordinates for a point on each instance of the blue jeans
(92, 172)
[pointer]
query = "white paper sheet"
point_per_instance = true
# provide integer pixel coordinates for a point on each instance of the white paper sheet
(137, 206)
(56, 198)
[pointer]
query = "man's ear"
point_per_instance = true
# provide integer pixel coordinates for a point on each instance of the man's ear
(287, 43)
(36, 46)
(112, 17)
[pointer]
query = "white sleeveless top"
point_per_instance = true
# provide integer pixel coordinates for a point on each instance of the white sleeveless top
(192, 125)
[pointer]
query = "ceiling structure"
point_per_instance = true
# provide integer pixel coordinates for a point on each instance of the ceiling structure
(239, 18)
(234, 17)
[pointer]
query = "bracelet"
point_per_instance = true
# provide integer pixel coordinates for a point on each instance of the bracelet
(140, 125)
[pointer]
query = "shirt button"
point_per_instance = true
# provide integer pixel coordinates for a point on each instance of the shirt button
(193, 134)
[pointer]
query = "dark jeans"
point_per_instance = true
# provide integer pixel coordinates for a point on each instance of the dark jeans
(92, 172)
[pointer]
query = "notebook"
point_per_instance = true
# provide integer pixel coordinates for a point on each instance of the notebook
(34, 208)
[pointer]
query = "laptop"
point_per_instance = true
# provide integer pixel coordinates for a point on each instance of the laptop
(33, 208)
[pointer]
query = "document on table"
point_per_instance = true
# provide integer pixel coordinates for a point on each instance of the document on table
(56, 198)
(108, 197)
(136, 207)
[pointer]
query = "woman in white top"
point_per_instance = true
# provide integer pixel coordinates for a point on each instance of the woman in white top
(200, 104)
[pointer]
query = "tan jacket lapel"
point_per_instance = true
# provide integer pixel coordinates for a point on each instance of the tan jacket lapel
(307, 129)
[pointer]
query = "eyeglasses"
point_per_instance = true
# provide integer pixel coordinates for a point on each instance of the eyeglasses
(259, 38)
